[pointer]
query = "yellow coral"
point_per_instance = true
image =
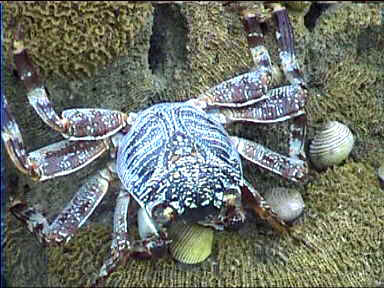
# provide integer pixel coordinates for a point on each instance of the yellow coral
(60, 35)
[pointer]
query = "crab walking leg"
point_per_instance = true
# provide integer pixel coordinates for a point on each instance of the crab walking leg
(54, 160)
(297, 132)
(282, 103)
(121, 240)
(293, 73)
(256, 202)
(75, 124)
(285, 39)
(250, 87)
(290, 168)
(74, 214)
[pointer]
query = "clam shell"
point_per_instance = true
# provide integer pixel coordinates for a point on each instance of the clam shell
(191, 243)
(331, 145)
(287, 203)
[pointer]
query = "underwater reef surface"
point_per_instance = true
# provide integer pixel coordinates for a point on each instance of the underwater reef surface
(128, 56)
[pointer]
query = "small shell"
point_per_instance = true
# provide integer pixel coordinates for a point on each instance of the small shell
(380, 174)
(192, 243)
(331, 145)
(287, 203)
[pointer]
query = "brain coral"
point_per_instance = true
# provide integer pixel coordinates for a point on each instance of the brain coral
(71, 38)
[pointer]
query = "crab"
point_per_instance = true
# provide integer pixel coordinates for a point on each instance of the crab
(175, 160)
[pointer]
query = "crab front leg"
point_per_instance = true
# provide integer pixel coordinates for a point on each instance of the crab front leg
(74, 214)
(123, 247)
(74, 124)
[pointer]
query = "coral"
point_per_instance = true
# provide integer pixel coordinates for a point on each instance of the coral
(85, 255)
(73, 39)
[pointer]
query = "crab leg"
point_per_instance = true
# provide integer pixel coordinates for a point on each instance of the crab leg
(123, 247)
(293, 73)
(285, 39)
(281, 104)
(250, 87)
(74, 214)
(75, 124)
(289, 168)
(54, 160)
(252, 199)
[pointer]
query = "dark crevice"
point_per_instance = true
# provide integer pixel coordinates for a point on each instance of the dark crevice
(314, 13)
(167, 47)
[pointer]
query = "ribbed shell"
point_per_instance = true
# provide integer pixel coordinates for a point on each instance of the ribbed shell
(331, 145)
(287, 203)
(192, 243)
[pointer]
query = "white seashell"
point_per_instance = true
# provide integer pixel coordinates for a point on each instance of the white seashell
(191, 243)
(331, 145)
(146, 225)
(288, 204)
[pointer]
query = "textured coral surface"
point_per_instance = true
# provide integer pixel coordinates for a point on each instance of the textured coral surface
(128, 56)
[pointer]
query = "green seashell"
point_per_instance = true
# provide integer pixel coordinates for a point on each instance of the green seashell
(331, 145)
(288, 204)
(192, 243)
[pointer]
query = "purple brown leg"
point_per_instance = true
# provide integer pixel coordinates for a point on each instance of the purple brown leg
(293, 73)
(285, 38)
(290, 168)
(250, 87)
(54, 160)
(75, 124)
(281, 104)
(74, 214)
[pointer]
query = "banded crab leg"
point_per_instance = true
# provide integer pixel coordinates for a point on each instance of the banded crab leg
(293, 73)
(248, 99)
(123, 247)
(289, 168)
(74, 214)
(65, 156)
(248, 88)
(61, 158)
(75, 124)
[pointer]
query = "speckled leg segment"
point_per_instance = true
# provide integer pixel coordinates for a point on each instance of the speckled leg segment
(289, 168)
(54, 160)
(285, 39)
(293, 73)
(75, 124)
(248, 88)
(74, 214)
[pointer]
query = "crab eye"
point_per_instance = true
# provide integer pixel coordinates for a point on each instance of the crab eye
(163, 214)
